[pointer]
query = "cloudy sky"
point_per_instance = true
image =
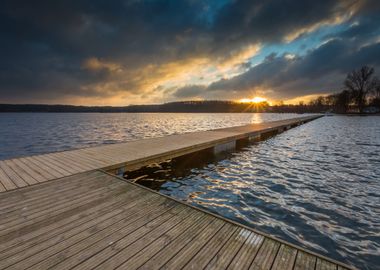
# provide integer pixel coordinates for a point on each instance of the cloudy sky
(120, 52)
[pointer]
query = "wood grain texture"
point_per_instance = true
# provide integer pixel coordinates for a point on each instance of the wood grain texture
(94, 220)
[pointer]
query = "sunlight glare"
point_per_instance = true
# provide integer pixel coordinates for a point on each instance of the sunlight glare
(253, 100)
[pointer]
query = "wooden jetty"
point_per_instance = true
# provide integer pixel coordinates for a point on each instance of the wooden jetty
(66, 210)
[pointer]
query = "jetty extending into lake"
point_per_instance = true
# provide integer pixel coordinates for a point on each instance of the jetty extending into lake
(70, 209)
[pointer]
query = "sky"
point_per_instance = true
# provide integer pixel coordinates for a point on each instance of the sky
(121, 52)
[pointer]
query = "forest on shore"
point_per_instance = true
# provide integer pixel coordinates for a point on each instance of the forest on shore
(360, 94)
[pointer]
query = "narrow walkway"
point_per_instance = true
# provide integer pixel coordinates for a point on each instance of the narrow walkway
(94, 220)
(26, 171)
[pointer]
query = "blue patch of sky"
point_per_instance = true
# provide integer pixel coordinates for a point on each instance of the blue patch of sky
(301, 45)
(211, 9)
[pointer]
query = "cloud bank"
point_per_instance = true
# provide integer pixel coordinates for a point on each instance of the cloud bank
(122, 52)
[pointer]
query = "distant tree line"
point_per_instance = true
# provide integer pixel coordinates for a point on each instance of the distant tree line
(361, 89)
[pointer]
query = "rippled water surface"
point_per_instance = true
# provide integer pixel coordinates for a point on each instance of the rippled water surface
(34, 133)
(317, 185)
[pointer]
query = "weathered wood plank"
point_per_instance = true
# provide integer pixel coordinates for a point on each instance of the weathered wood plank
(325, 265)
(199, 261)
(46, 254)
(29, 171)
(162, 242)
(226, 254)
(43, 168)
(25, 176)
(84, 250)
(305, 261)
(248, 251)
(6, 181)
(67, 227)
(266, 255)
(192, 248)
(16, 179)
(173, 248)
(285, 258)
(133, 243)
(107, 223)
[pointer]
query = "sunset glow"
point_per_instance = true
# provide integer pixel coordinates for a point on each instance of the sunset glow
(253, 100)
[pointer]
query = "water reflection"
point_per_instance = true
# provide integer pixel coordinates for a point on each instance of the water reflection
(35, 133)
(316, 185)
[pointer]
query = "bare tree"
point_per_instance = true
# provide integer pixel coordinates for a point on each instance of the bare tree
(376, 90)
(360, 83)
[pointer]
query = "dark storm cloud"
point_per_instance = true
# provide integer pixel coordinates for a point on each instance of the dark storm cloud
(46, 43)
(320, 70)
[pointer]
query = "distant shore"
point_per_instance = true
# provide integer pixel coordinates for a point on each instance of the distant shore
(175, 107)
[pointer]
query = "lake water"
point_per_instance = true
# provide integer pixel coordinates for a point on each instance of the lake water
(35, 133)
(317, 185)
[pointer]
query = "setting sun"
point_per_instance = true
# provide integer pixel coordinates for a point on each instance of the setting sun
(253, 100)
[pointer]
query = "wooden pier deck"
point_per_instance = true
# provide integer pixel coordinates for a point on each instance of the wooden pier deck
(64, 211)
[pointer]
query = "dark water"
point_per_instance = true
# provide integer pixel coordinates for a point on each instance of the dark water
(35, 133)
(317, 185)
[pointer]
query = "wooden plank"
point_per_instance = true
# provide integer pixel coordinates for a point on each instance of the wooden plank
(2, 188)
(325, 265)
(247, 253)
(39, 177)
(114, 220)
(266, 255)
(17, 180)
(202, 258)
(26, 177)
(16, 225)
(93, 158)
(67, 163)
(50, 201)
(65, 256)
(67, 226)
(64, 228)
(44, 159)
(192, 248)
(44, 175)
(107, 223)
(6, 181)
(173, 248)
(162, 242)
(305, 261)
(43, 168)
(101, 155)
(24, 196)
(85, 160)
(113, 257)
(226, 254)
(285, 258)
